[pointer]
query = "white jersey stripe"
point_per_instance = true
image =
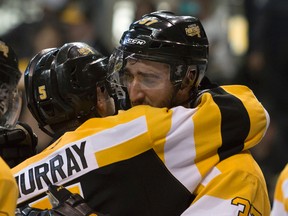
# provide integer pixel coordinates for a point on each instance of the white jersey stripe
(211, 175)
(278, 209)
(94, 143)
(179, 150)
(212, 206)
(108, 139)
(285, 189)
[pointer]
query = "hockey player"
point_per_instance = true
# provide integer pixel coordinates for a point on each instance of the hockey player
(161, 62)
(17, 141)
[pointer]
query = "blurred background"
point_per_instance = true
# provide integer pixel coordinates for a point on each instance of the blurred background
(248, 45)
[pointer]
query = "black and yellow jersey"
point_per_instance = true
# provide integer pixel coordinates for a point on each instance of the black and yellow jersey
(280, 202)
(150, 161)
(8, 190)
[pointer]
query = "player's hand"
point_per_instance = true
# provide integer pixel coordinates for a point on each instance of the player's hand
(28, 211)
(64, 204)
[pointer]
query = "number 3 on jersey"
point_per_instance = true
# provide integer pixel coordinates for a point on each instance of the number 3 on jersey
(248, 209)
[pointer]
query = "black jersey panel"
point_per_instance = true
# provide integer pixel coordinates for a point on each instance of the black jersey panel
(235, 123)
(138, 186)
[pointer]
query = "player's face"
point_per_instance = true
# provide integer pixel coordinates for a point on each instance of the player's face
(148, 83)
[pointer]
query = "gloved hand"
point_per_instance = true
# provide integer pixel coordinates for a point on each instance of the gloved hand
(17, 144)
(64, 204)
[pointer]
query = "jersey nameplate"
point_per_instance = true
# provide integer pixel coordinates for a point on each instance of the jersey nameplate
(63, 165)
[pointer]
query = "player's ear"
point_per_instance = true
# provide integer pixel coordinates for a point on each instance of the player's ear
(105, 104)
(189, 79)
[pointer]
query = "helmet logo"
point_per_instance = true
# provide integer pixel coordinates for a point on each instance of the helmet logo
(193, 30)
(4, 49)
(148, 21)
(84, 51)
(135, 41)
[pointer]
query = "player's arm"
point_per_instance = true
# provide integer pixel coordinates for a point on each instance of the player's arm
(258, 116)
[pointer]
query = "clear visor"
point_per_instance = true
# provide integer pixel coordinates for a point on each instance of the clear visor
(126, 69)
(10, 105)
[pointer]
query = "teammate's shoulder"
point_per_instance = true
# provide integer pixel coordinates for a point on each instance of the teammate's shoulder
(237, 89)
(144, 109)
(235, 163)
(284, 172)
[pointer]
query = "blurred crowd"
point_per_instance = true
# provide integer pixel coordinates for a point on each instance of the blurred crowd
(264, 70)
(262, 67)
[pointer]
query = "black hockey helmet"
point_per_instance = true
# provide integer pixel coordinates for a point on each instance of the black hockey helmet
(38, 84)
(61, 86)
(179, 41)
(10, 97)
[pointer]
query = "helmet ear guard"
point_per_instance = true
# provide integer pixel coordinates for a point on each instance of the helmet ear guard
(190, 77)
(196, 76)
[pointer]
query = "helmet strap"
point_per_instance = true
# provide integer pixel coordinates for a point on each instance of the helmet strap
(46, 131)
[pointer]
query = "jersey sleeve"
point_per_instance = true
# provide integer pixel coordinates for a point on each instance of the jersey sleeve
(96, 144)
(8, 190)
(232, 188)
(258, 116)
(226, 122)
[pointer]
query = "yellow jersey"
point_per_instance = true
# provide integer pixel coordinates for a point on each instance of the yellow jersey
(154, 161)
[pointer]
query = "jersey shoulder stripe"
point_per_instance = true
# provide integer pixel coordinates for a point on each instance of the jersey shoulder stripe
(235, 122)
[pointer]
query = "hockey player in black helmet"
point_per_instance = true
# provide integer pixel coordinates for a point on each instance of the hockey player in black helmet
(17, 141)
(161, 62)
(61, 87)
(65, 87)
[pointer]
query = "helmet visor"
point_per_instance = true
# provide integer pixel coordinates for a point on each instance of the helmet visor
(126, 69)
(10, 105)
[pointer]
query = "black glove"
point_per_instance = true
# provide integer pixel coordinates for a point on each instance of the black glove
(17, 144)
(64, 204)
(32, 212)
